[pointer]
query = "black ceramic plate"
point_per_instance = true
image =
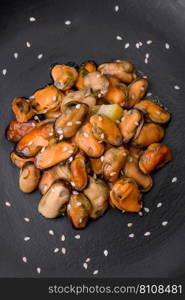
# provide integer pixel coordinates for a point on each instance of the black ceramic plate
(92, 35)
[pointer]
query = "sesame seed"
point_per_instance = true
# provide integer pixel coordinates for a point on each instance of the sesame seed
(63, 238)
(100, 118)
(15, 55)
(146, 209)
(95, 272)
(78, 204)
(140, 213)
(7, 204)
(117, 121)
(38, 270)
(61, 137)
(86, 134)
(65, 148)
(123, 211)
(69, 124)
(70, 159)
(78, 106)
(68, 206)
(149, 94)
(164, 223)
(102, 158)
(124, 153)
(85, 265)
(28, 44)
(70, 151)
(56, 250)
(59, 130)
(26, 238)
(32, 19)
(30, 143)
(159, 204)
(78, 122)
(144, 76)
(174, 179)
(54, 98)
(72, 183)
(51, 232)
(105, 252)
(63, 250)
(147, 233)
(137, 45)
(136, 123)
(68, 22)
(80, 221)
(36, 118)
(147, 55)
(119, 38)
(158, 112)
(88, 259)
(116, 8)
(140, 44)
(127, 45)
(26, 219)
(24, 259)
(129, 225)
(102, 136)
(113, 173)
(42, 150)
(130, 159)
(146, 60)
(75, 192)
(51, 134)
(131, 235)
(149, 42)
(4, 71)
(176, 87)
(167, 46)
(77, 236)
(39, 56)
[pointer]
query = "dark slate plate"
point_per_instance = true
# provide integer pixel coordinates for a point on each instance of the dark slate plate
(92, 35)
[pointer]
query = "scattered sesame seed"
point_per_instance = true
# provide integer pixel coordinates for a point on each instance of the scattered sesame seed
(85, 265)
(69, 124)
(39, 56)
(95, 272)
(147, 55)
(105, 252)
(65, 148)
(167, 46)
(63, 238)
(56, 250)
(78, 204)
(68, 22)
(140, 213)
(102, 136)
(113, 173)
(144, 76)
(130, 159)
(149, 42)
(149, 94)
(24, 259)
(147, 233)
(146, 209)
(7, 203)
(70, 159)
(100, 118)
(72, 183)
(26, 238)
(4, 71)
(32, 19)
(140, 44)
(38, 270)
(137, 45)
(78, 122)
(75, 192)
(70, 151)
(51, 232)
(129, 225)
(119, 38)
(164, 223)
(26, 219)
(131, 235)
(78, 106)
(42, 150)
(80, 221)
(63, 250)
(102, 158)
(59, 130)
(146, 60)
(30, 143)
(174, 179)
(54, 98)
(88, 259)
(159, 204)
(36, 118)
(51, 134)
(176, 87)
(86, 134)
(116, 8)
(117, 121)
(136, 123)
(15, 55)
(28, 44)
(94, 175)
(123, 211)
(127, 45)
(77, 236)
(61, 137)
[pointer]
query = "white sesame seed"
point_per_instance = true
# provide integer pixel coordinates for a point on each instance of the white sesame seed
(174, 179)
(129, 225)
(54, 98)
(85, 265)
(30, 143)
(140, 213)
(78, 106)
(80, 221)
(4, 71)
(146, 60)
(130, 159)
(61, 137)
(123, 211)
(39, 56)
(127, 45)
(26, 219)
(136, 123)
(75, 192)
(164, 223)
(78, 204)
(146, 209)
(147, 233)
(68, 22)
(69, 124)
(113, 173)
(86, 134)
(77, 236)
(51, 134)
(140, 44)
(32, 19)
(70, 151)
(147, 55)
(131, 235)
(117, 121)
(176, 87)
(144, 76)
(72, 183)
(59, 130)
(68, 206)
(42, 150)
(51, 232)
(36, 118)
(63, 238)
(167, 46)
(15, 55)
(116, 8)
(102, 158)
(70, 159)
(159, 204)
(100, 118)
(88, 259)
(149, 42)
(94, 175)
(78, 122)
(95, 272)
(26, 238)
(56, 250)
(65, 148)
(24, 259)
(28, 44)
(102, 136)
(63, 250)
(149, 94)
(7, 203)
(119, 38)
(38, 270)
(137, 45)
(105, 252)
